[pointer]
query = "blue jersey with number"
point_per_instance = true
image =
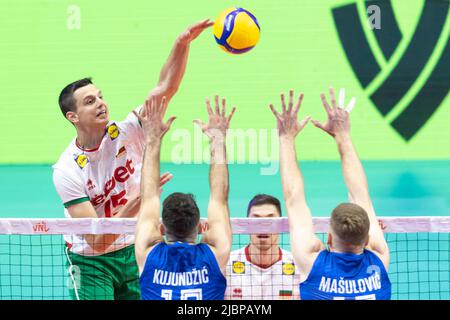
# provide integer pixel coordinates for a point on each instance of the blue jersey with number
(182, 271)
(342, 276)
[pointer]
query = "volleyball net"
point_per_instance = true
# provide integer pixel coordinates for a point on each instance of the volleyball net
(35, 257)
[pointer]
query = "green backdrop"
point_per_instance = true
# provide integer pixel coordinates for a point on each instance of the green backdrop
(123, 46)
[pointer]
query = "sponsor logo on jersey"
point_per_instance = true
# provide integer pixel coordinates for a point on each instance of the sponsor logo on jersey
(40, 227)
(90, 185)
(288, 269)
(113, 131)
(238, 267)
(121, 175)
(237, 293)
(121, 152)
(81, 160)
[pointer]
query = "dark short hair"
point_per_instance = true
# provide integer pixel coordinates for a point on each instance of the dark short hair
(350, 223)
(261, 199)
(180, 214)
(66, 100)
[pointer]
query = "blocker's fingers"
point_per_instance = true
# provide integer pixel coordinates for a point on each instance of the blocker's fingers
(163, 106)
(231, 114)
(224, 108)
(166, 177)
(325, 103)
(200, 123)
(333, 98)
(299, 104)
(291, 100)
(208, 106)
(317, 124)
(341, 98)
(283, 103)
(304, 122)
(351, 105)
(169, 122)
(275, 113)
(137, 115)
(216, 101)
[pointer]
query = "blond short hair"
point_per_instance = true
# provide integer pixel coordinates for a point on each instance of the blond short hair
(350, 223)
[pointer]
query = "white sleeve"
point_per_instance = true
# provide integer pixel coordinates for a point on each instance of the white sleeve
(132, 126)
(69, 187)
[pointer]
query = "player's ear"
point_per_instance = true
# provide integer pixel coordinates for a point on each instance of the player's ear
(162, 230)
(367, 241)
(72, 117)
(330, 240)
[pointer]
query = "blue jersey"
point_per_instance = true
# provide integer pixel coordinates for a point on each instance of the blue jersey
(346, 276)
(182, 271)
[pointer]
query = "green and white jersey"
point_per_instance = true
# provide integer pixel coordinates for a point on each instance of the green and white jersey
(106, 176)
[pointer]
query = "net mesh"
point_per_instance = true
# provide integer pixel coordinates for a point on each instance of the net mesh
(35, 262)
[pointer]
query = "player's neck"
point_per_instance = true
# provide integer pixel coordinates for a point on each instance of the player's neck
(89, 139)
(263, 258)
(354, 250)
(172, 240)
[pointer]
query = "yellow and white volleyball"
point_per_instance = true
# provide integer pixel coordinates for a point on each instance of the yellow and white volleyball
(236, 30)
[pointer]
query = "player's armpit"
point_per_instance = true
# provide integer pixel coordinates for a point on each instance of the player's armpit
(305, 248)
(148, 235)
(219, 238)
(378, 245)
(221, 251)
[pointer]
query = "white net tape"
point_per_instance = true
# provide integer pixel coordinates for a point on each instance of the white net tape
(239, 225)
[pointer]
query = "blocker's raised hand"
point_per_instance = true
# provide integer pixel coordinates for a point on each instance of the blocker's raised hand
(338, 120)
(287, 122)
(218, 123)
(151, 118)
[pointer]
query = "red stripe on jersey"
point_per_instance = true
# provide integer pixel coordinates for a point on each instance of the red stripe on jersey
(89, 150)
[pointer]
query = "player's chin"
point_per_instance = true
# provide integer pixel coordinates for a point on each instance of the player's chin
(264, 246)
(102, 120)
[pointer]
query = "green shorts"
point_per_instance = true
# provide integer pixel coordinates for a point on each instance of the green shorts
(112, 276)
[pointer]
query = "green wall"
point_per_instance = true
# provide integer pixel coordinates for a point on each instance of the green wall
(123, 45)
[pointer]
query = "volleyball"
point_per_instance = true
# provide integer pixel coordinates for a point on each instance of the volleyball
(236, 30)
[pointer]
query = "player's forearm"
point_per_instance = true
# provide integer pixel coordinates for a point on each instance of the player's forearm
(218, 174)
(173, 70)
(150, 172)
(352, 169)
(101, 242)
(293, 187)
(291, 177)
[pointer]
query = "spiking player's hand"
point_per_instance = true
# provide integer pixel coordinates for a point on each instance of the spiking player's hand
(287, 123)
(193, 31)
(217, 126)
(151, 119)
(338, 121)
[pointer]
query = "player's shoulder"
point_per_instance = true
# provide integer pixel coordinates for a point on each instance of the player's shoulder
(238, 253)
(286, 255)
(237, 256)
(67, 159)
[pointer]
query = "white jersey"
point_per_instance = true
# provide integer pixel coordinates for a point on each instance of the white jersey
(248, 281)
(107, 177)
